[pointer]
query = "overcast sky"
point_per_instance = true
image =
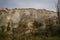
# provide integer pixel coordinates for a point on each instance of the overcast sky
(43, 4)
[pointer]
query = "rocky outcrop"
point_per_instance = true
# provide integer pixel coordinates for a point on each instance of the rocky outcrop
(24, 15)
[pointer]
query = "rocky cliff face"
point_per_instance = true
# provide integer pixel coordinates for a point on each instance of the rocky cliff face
(16, 16)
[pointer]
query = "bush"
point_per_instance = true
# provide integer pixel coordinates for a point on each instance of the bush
(37, 24)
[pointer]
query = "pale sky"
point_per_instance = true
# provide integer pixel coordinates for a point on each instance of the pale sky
(38, 4)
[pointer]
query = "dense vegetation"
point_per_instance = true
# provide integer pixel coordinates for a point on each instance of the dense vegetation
(51, 32)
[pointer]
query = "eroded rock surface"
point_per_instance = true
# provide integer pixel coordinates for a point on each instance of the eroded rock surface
(17, 16)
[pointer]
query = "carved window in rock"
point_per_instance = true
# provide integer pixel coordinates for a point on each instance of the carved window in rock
(0, 13)
(3, 15)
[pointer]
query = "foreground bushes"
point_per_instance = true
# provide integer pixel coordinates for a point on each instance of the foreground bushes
(51, 32)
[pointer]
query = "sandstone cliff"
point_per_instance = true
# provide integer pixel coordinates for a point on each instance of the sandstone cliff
(25, 15)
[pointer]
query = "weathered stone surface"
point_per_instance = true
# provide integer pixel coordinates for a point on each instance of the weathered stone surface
(16, 16)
